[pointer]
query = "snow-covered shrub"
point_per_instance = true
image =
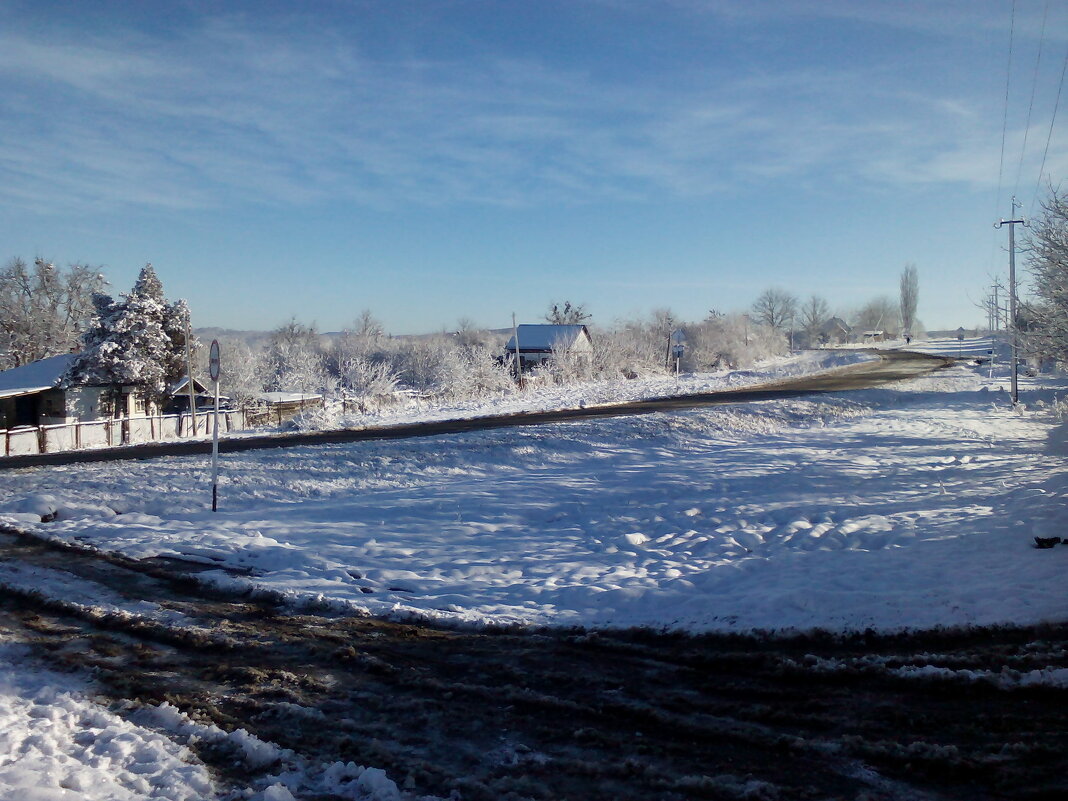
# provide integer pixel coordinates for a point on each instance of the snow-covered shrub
(295, 361)
(474, 371)
(328, 416)
(570, 366)
(731, 341)
(361, 377)
(630, 349)
(241, 371)
(420, 363)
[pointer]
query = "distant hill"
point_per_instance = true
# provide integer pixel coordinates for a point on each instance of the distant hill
(251, 337)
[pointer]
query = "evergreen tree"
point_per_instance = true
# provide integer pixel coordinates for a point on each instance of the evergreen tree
(138, 340)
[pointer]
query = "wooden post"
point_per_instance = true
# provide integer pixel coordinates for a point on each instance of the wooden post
(518, 358)
(189, 376)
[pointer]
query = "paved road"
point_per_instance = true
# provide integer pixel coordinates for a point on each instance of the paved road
(892, 366)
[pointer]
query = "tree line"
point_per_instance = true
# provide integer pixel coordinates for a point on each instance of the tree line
(806, 321)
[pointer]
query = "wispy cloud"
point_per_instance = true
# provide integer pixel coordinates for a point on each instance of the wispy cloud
(236, 111)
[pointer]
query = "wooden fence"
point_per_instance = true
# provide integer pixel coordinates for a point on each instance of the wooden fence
(118, 431)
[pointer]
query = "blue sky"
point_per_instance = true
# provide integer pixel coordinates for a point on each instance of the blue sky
(460, 158)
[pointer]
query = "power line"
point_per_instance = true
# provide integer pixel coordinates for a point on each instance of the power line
(1005, 117)
(1049, 136)
(1031, 104)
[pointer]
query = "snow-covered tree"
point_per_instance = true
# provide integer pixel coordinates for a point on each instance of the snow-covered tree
(362, 377)
(358, 358)
(1047, 323)
(421, 364)
(44, 310)
(137, 340)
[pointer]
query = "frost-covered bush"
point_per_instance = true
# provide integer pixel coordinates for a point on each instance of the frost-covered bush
(631, 349)
(241, 371)
(368, 370)
(732, 341)
(474, 371)
(361, 377)
(570, 366)
(420, 364)
(296, 362)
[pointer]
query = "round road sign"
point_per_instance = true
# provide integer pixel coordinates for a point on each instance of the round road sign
(213, 360)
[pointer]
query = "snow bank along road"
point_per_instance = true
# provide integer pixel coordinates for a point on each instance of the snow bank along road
(890, 366)
(310, 698)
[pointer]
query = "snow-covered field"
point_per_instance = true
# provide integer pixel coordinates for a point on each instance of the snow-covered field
(906, 507)
(903, 507)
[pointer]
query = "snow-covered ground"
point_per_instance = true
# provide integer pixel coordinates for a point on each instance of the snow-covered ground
(909, 506)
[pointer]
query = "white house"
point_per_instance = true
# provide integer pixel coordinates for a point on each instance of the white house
(537, 343)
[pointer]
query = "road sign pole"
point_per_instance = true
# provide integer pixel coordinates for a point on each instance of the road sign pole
(215, 455)
(213, 370)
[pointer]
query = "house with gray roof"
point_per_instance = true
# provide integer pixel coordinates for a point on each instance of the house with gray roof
(537, 343)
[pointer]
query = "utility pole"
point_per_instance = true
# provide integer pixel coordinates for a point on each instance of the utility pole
(189, 377)
(518, 361)
(1012, 299)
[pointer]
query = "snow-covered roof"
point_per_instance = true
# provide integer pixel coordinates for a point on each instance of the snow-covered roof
(544, 337)
(287, 397)
(34, 377)
(182, 386)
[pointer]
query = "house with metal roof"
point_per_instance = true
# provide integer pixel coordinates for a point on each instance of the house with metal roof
(537, 343)
(30, 395)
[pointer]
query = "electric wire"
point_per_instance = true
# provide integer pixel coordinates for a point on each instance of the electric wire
(1005, 117)
(1049, 136)
(1004, 133)
(1031, 103)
